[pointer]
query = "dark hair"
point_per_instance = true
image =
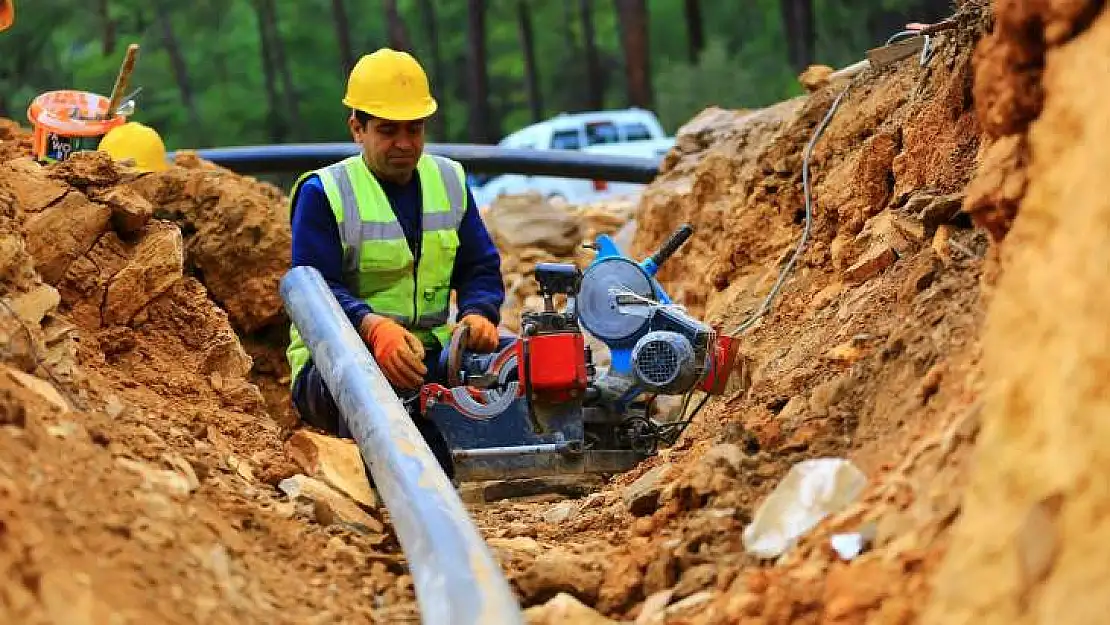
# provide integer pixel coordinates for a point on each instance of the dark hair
(362, 117)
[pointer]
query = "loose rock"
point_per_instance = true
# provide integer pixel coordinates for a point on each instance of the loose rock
(562, 609)
(33, 189)
(336, 462)
(157, 263)
(642, 496)
(871, 264)
(130, 211)
(561, 512)
(557, 572)
(40, 387)
(33, 305)
(63, 232)
(331, 506)
(528, 221)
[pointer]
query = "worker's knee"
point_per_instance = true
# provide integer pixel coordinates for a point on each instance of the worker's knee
(315, 404)
(317, 408)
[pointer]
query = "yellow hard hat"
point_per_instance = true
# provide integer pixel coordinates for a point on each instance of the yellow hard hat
(136, 142)
(391, 85)
(7, 13)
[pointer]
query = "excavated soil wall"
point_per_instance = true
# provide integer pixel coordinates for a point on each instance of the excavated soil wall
(1030, 546)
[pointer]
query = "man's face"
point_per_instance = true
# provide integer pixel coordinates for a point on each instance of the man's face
(391, 148)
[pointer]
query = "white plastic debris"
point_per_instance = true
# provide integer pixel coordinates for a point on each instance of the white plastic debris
(812, 490)
(849, 545)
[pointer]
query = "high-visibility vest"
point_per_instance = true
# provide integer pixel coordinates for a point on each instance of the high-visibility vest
(378, 265)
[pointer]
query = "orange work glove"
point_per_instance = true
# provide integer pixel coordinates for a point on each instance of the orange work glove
(399, 354)
(483, 334)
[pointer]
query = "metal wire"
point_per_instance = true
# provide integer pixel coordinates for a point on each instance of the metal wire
(902, 34)
(765, 306)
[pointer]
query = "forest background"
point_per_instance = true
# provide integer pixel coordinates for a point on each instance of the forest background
(238, 72)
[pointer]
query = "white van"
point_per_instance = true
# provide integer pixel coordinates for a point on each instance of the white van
(629, 132)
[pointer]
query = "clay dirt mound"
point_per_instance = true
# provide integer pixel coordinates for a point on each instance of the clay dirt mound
(904, 390)
(139, 465)
(1031, 539)
(130, 290)
(237, 235)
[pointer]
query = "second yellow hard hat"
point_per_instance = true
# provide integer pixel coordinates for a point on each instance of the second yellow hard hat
(136, 142)
(391, 85)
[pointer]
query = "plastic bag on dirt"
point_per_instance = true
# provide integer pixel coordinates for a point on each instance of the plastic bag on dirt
(812, 490)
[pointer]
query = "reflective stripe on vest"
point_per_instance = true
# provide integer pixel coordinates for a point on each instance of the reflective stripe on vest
(378, 265)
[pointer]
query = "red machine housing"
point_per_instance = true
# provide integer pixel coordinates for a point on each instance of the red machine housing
(555, 364)
(722, 359)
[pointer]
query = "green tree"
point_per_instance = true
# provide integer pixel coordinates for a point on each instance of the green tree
(255, 71)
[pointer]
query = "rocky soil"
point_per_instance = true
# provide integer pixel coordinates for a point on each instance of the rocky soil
(941, 331)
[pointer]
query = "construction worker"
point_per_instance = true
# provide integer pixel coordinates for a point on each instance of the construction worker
(137, 145)
(393, 231)
(7, 14)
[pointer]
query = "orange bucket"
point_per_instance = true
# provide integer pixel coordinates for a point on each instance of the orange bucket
(66, 121)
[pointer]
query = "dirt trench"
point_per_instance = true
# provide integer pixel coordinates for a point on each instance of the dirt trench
(939, 331)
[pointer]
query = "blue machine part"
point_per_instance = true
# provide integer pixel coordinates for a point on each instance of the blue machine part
(620, 354)
(513, 428)
(508, 429)
(607, 248)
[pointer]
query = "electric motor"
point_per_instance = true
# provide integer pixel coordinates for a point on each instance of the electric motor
(665, 362)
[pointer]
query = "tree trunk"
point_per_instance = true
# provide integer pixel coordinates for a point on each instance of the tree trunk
(801, 35)
(396, 32)
(343, 36)
(632, 17)
(569, 66)
(481, 126)
(438, 77)
(274, 120)
(595, 83)
(531, 76)
(289, 90)
(694, 33)
(109, 28)
(180, 70)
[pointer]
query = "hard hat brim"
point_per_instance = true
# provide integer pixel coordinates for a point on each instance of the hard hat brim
(395, 113)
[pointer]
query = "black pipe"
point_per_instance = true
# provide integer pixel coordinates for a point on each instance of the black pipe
(479, 159)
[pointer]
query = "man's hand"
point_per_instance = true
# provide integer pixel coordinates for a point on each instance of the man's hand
(483, 334)
(399, 354)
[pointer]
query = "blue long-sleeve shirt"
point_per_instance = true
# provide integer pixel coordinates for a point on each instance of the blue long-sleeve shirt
(476, 277)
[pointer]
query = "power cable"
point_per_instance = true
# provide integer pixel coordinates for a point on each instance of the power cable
(765, 305)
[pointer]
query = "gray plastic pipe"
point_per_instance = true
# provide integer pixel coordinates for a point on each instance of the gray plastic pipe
(456, 578)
